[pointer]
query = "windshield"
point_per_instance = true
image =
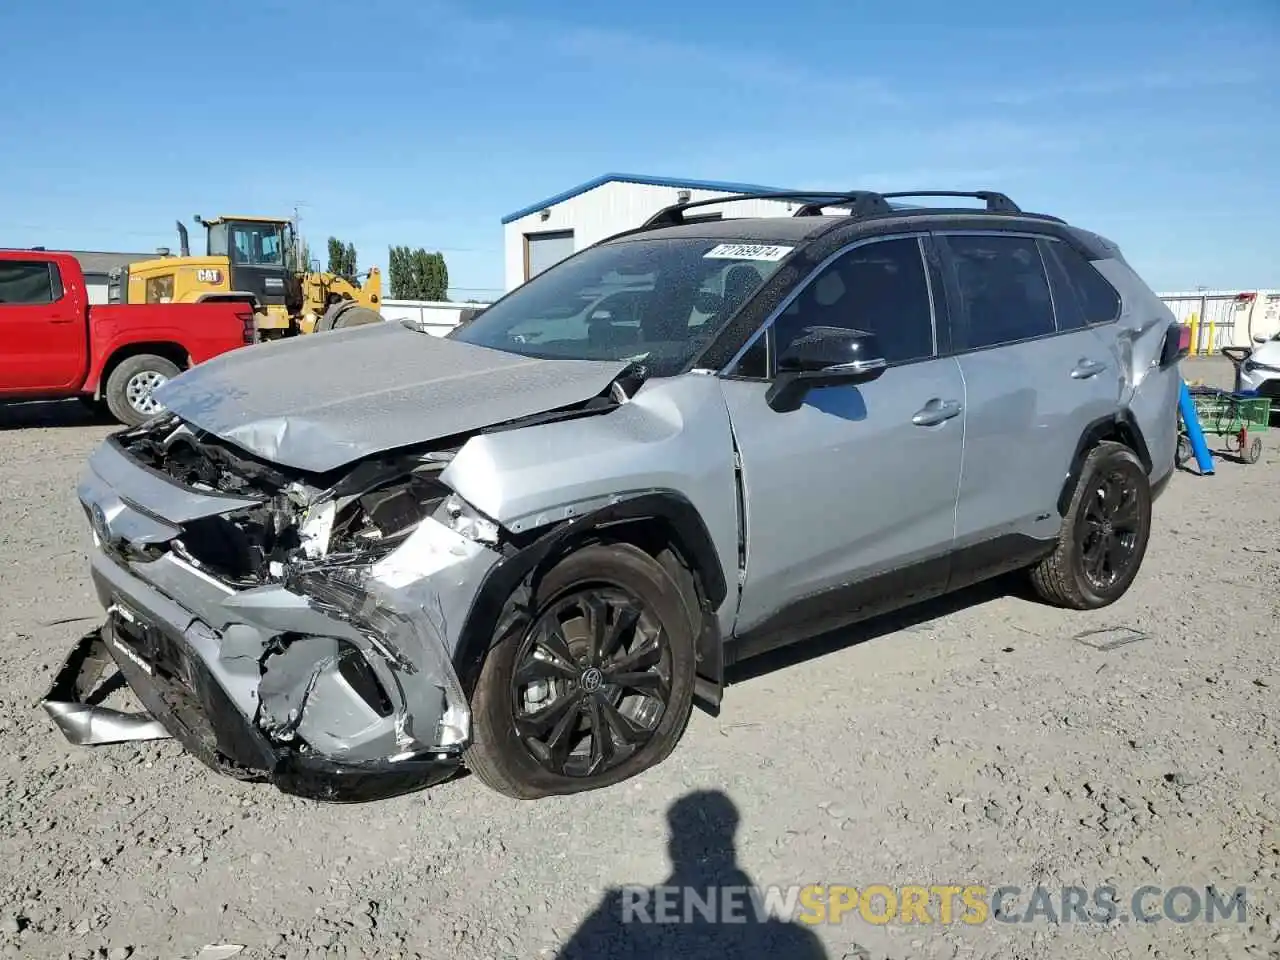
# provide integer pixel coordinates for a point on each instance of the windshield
(657, 302)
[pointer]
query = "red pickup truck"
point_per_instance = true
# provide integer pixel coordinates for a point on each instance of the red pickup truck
(54, 344)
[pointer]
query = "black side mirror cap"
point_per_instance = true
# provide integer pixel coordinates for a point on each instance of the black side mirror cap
(824, 357)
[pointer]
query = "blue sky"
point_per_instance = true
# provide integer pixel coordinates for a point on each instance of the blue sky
(425, 121)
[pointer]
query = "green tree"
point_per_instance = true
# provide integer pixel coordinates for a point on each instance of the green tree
(399, 273)
(417, 275)
(342, 259)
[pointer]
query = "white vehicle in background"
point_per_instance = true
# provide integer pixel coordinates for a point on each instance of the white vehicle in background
(1258, 368)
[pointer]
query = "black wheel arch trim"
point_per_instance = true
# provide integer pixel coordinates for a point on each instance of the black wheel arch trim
(526, 560)
(1121, 426)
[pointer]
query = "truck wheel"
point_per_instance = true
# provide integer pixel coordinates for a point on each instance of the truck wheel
(346, 313)
(129, 388)
(356, 317)
(330, 315)
(594, 686)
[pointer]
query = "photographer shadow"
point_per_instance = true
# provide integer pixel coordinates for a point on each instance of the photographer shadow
(662, 922)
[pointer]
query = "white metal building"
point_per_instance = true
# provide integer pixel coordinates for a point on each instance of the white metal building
(546, 232)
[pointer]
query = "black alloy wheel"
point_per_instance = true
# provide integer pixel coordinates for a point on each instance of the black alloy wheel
(1104, 534)
(592, 682)
(1109, 529)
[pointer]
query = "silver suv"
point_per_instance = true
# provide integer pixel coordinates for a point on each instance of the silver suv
(353, 564)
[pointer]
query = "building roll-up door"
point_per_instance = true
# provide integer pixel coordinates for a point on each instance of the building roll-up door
(542, 250)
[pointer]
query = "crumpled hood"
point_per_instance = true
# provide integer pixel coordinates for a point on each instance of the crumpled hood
(320, 401)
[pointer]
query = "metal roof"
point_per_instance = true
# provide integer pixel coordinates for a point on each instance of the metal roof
(103, 262)
(679, 184)
(225, 218)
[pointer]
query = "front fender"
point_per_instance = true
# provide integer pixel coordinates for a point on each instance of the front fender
(671, 440)
(513, 578)
(666, 454)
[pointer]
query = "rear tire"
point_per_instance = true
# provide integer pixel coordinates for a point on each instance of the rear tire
(533, 717)
(129, 388)
(1104, 535)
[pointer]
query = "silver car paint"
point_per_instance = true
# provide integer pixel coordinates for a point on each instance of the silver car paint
(318, 403)
(1028, 406)
(1147, 392)
(673, 435)
(230, 630)
(1025, 413)
(846, 486)
(843, 488)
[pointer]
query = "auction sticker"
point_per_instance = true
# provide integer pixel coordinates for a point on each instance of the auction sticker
(747, 251)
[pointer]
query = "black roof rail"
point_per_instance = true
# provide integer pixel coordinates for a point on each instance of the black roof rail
(996, 202)
(861, 203)
(673, 215)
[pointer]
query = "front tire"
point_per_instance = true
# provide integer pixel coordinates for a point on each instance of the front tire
(1104, 534)
(593, 687)
(129, 388)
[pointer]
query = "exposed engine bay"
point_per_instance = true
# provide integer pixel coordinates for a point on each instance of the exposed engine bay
(302, 623)
(360, 516)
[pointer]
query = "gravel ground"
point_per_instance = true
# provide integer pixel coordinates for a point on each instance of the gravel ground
(974, 741)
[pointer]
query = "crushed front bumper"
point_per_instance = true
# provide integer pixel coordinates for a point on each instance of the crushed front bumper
(183, 701)
(335, 683)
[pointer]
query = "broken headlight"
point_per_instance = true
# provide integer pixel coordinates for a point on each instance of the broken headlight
(466, 521)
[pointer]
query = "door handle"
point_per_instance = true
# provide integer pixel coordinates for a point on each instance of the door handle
(935, 412)
(1086, 368)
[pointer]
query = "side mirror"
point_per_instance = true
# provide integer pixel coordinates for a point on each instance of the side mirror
(1259, 339)
(824, 357)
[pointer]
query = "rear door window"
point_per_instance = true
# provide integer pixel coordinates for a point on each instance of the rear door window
(28, 283)
(1004, 292)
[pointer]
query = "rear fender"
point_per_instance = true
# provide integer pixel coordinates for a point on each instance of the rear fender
(1123, 428)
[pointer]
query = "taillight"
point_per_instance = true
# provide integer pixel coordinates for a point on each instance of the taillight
(250, 328)
(1177, 344)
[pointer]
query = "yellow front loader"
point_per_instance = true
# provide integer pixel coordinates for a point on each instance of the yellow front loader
(253, 259)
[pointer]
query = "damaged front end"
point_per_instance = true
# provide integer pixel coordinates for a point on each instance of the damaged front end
(288, 626)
